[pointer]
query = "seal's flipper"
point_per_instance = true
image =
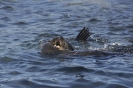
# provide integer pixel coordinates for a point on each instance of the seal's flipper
(83, 35)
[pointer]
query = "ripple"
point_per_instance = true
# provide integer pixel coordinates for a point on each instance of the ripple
(15, 73)
(2, 25)
(5, 59)
(84, 83)
(5, 19)
(129, 26)
(94, 20)
(20, 23)
(74, 69)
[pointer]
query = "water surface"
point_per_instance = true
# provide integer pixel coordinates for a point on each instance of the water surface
(24, 23)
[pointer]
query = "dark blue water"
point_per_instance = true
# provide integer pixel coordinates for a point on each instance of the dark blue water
(24, 23)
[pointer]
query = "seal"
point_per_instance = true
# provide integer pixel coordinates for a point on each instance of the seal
(56, 46)
(59, 45)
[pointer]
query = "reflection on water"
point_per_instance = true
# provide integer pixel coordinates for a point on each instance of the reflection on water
(24, 23)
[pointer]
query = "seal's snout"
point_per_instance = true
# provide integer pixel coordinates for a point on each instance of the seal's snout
(57, 45)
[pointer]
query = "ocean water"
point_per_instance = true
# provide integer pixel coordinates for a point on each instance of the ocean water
(24, 23)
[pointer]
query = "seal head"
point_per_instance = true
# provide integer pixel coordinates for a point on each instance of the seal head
(61, 44)
(56, 46)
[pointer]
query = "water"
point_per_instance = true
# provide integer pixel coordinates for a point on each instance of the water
(24, 23)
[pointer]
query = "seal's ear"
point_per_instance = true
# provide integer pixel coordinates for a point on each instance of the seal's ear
(83, 35)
